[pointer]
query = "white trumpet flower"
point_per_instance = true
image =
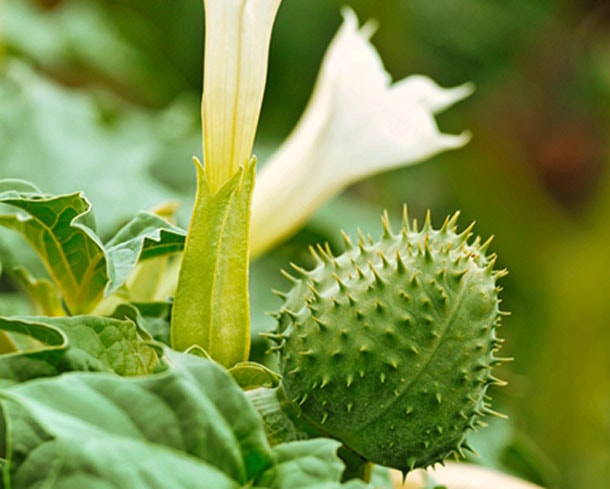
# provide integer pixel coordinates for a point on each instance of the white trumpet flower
(211, 304)
(357, 123)
(237, 39)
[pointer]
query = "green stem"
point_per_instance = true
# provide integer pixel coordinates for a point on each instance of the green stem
(356, 467)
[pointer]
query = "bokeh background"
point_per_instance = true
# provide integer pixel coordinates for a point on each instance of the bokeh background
(103, 96)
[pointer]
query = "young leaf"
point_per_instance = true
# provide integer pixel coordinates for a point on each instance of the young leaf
(211, 307)
(145, 236)
(252, 375)
(180, 428)
(42, 292)
(62, 231)
(47, 347)
(152, 318)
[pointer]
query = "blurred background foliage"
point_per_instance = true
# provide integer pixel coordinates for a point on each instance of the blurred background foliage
(103, 96)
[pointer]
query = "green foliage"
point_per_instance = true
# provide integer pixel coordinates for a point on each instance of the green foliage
(47, 346)
(187, 424)
(42, 292)
(252, 375)
(112, 418)
(145, 236)
(94, 139)
(62, 231)
(307, 464)
(153, 317)
(389, 346)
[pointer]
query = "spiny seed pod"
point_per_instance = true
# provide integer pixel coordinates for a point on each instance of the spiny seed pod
(389, 347)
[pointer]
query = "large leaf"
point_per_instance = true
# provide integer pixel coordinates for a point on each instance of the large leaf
(62, 231)
(188, 426)
(211, 306)
(81, 456)
(181, 427)
(308, 464)
(304, 464)
(49, 346)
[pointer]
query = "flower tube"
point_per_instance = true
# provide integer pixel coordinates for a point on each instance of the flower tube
(211, 305)
(237, 39)
(356, 124)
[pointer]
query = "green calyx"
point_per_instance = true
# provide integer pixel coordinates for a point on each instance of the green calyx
(389, 347)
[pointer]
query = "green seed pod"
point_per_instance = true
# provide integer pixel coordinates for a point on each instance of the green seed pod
(389, 347)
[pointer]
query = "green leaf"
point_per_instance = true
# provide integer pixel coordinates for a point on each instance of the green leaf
(211, 307)
(186, 426)
(252, 375)
(62, 231)
(307, 464)
(145, 236)
(87, 458)
(183, 427)
(152, 317)
(117, 344)
(65, 344)
(47, 346)
(381, 478)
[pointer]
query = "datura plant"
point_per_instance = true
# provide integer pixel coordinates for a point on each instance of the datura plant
(385, 352)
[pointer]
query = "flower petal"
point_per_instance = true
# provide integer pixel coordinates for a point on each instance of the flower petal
(423, 90)
(357, 123)
(462, 476)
